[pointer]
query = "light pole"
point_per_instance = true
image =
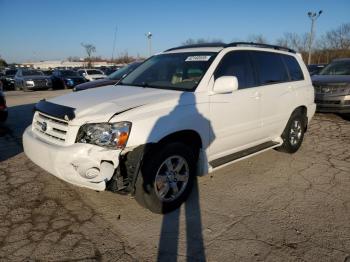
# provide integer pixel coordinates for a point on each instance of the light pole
(115, 37)
(149, 37)
(313, 17)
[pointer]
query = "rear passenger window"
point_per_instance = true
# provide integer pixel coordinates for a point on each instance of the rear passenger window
(237, 64)
(294, 69)
(270, 67)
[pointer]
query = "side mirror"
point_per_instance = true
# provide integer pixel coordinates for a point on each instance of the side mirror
(225, 84)
(84, 74)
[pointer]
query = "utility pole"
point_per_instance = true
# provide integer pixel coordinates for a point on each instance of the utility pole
(313, 17)
(149, 37)
(115, 37)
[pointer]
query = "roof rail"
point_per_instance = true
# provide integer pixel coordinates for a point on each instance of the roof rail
(276, 47)
(218, 44)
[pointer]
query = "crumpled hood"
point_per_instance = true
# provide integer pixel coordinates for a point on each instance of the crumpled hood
(102, 103)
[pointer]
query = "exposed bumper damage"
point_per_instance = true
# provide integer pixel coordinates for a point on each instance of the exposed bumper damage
(83, 165)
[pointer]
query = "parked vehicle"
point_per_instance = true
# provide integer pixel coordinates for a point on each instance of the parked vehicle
(91, 74)
(66, 79)
(31, 79)
(107, 70)
(332, 87)
(314, 69)
(3, 107)
(109, 80)
(184, 112)
(8, 79)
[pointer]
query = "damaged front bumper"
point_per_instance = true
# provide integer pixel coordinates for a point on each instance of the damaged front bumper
(84, 165)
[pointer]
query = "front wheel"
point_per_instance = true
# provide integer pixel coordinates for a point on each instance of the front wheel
(293, 133)
(166, 178)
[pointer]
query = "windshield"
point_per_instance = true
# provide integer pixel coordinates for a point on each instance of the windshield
(337, 68)
(69, 73)
(177, 71)
(94, 72)
(123, 71)
(32, 73)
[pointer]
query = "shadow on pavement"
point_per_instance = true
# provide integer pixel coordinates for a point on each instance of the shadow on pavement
(12, 130)
(169, 236)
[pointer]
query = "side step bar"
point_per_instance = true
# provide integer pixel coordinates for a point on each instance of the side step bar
(226, 159)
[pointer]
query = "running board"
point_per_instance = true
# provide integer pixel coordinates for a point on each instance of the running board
(244, 153)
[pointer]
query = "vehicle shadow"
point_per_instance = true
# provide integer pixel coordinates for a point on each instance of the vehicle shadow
(12, 130)
(168, 247)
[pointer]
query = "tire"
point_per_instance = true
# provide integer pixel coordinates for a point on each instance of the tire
(3, 116)
(150, 194)
(293, 133)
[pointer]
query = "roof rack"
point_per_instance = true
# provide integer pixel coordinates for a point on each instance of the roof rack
(223, 45)
(276, 47)
(218, 44)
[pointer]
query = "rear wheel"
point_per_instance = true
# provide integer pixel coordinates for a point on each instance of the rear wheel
(166, 178)
(293, 133)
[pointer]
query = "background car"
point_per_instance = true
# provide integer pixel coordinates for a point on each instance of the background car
(8, 79)
(109, 80)
(109, 70)
(3, 107)
(314, 69)
(31, 79)
(66, 79)
(91, 74)
(332, 87)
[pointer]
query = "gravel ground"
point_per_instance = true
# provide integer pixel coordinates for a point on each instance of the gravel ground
(272, 207)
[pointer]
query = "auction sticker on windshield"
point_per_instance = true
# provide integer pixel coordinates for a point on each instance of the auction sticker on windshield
(198, 58)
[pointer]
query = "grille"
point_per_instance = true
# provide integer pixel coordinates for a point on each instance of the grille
(40, 82)
(330, 89)
(50, 128)
(327, 102)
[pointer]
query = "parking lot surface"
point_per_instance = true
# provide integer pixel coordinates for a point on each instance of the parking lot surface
(272, 207)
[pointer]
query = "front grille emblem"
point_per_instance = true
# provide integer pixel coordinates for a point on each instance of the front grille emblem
(44, 126)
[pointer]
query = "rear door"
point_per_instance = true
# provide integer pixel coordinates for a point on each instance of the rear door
(277, 92)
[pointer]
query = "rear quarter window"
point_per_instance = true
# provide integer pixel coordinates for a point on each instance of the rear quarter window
(293, 67)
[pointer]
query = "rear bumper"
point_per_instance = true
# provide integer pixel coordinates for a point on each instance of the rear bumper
(74, 163)
(333, 104)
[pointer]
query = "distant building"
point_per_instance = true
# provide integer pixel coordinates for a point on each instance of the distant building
(65, 64)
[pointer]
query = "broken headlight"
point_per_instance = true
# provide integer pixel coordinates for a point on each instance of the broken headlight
(110, 135)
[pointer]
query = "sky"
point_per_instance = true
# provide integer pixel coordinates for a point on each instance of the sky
(33, 30)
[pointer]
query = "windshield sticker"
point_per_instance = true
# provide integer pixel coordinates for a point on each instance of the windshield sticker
(198, 58)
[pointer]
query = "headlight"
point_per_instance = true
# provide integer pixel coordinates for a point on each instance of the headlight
(110, 135)
(70, 82)
(30, 83)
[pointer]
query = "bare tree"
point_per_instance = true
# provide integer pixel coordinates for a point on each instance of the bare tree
(89, 49)
(338, 38)
(260, 39)
(192, 41)
(294, 41)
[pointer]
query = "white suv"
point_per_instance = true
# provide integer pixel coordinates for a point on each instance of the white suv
(185, 112)
(91, 74)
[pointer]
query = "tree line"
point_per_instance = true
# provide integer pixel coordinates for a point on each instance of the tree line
(333, 44)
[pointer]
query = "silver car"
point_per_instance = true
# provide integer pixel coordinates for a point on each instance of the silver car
(332, 87)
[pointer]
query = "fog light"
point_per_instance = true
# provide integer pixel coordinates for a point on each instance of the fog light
(92, 173)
